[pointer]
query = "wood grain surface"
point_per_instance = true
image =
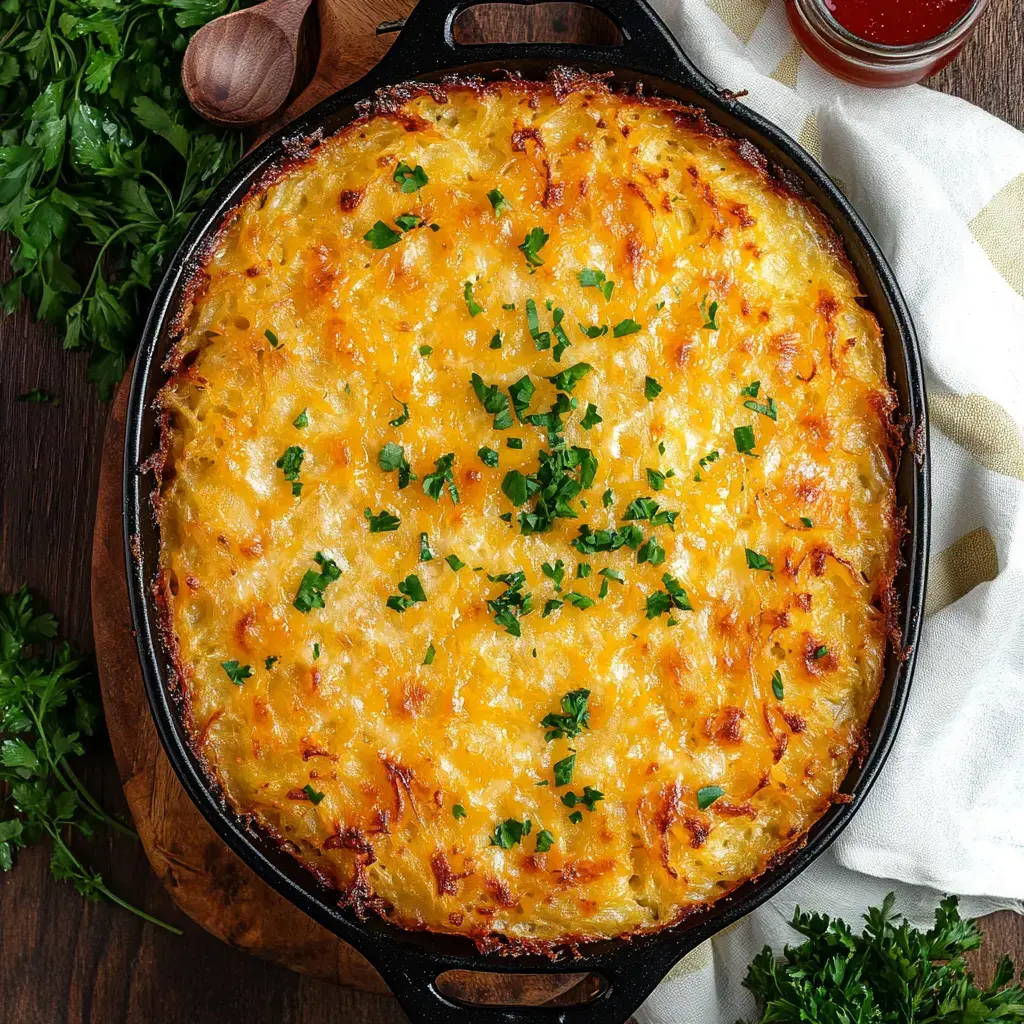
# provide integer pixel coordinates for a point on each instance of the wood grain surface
(65, 960)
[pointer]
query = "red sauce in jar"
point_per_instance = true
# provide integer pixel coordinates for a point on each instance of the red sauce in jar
(897, 22)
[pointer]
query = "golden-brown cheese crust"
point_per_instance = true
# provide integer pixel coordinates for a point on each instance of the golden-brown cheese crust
(677, 215)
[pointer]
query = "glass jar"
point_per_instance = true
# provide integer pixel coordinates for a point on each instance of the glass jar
(864, 62)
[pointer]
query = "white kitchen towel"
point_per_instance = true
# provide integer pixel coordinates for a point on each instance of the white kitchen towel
(940, 184)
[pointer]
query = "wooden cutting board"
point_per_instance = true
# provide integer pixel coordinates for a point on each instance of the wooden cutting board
(205, 879)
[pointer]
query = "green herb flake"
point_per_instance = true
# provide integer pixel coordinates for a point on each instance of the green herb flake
(428, 658)
(707, 795)
(392, 458)
(752, 389)
(314, 796)
(454, 562)
(710, 314)
(777, 687)
(576, 817)
(806, 522)
(291, 463)
(756, 561)
(612, 574)
(574, 717)
(655, 479)
(272, 338)
(458, 811)
(235, 672)
(583, 570)
(301, 421)
(410, 592)
(498, 202)
(770, 410)
(426, 555)
(496, 340)
(651, 389)
(545, 840)
(820, 653)
(551, 605)
(596, 279)
(563, 770)
(270, 662)
(567, 379)
(608, 498)
(590, 417)
(425, 350)
(401, 419)
(521, 393)
(311, 590)
(433, 483)
(589, 798)
(408, 221)
(488, 456)
(624, 327)
(494, 402)
(472, 305)
(744, 438)
(594, 331)
(532, 245)
(555, 573)
(512, 603)
(383, 521)
(541, 339)
(650, 551)
(673, 596)
(380, 236)
(316, 652)
(510, 832)
(412, 179)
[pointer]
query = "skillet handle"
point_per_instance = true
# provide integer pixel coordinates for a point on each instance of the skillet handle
(426, 44)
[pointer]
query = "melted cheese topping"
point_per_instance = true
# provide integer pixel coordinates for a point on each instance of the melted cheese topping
(348, 745)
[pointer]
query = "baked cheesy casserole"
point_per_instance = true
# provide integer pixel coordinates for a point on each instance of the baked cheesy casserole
(527, 511)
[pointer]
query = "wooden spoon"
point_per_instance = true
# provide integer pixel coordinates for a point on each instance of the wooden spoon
(239, 68)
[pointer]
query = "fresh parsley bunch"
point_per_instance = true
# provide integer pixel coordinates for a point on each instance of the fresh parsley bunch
(45, 710)
(892, 974)
(102, 162)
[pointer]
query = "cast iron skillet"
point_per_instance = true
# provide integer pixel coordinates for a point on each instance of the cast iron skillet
(411, 961)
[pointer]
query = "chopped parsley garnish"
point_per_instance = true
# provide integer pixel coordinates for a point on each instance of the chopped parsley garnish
(301, 421)
(707, 795)
(269, 663)
(820, 653)
(555, 573)
(499, 203)
(777, 687)
(412, 179)
(272, 338)
(505, 517)
(488, 456)
(588, 800)
(454, 562)
(314, 795)
(710, 314)
(655, 479)
(408, 221)
(514, 442)
(380, 236)
(624, 327)
(496, 340)
(564, 769)
(651, 389)
(392, 457)
(651, 551)
(425, 350)
(575, 717)
(291, 463)
(551, 605)
(590, 542)
(590, 417)
(510, 832)
(673, 596)
(567, 379)
(508, 305)
(494, 402)
(383, 522)
(576, 817)
(756, 561)
(705, 462)
(545, 840)
(402, 418)
(472, 305)
(428, 658)
(770, 410)
(458, 811)
(316, 652)
(562, 341)
(751, 389)
(541, 339)
(612, 574)
(433, 483)
(553, 485)
(426, 555)
(522, 393)
(235, 672)
(608, 498)
(593, 331)
(595, 279)
(659, 305)
(532, 245)
(512, 602)
(647, 508)
(806, 522)
(310, 594)
(744, 437)
(583, 570)
(580, 601)
(410, 592)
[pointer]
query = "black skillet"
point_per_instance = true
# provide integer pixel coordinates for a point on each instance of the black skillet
(411, 961)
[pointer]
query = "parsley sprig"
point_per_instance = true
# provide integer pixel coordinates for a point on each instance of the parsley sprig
(47, 706)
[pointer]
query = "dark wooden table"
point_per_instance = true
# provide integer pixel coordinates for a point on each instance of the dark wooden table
(65, 960)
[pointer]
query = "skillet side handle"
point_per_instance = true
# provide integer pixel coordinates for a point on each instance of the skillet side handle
(426, 43)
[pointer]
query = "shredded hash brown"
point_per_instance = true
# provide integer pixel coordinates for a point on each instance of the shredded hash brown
(551, 693)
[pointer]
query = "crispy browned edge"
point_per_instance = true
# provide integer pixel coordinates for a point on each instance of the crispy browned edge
(389, 102)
